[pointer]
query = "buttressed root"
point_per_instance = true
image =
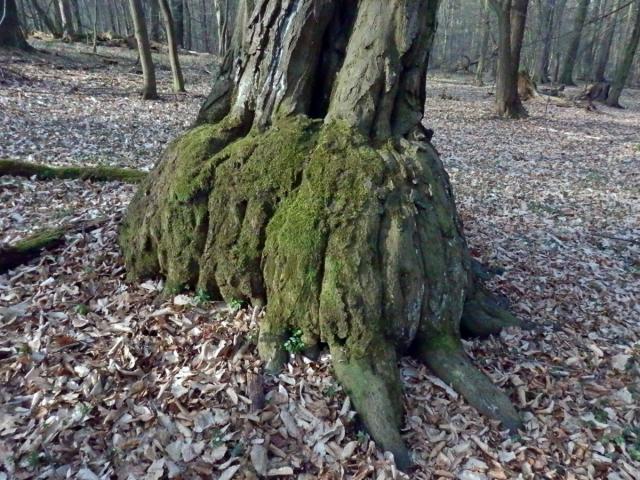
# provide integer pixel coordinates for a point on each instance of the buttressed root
(447, 359)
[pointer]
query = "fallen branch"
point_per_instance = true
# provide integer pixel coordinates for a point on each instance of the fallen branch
(32, 247)
(17, 168)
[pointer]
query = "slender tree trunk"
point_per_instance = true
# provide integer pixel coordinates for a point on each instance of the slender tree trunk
(315, 188)
(623, 69)
(154, 21)
(222, 22)
(95, 26)
(11, 34)
(569, 62)
(546, 10)
(484, 43)
(558, 22)
(606, 40)
(149, 90)
(511, 16)
(176, 71)
(68, 31)
(75, 9)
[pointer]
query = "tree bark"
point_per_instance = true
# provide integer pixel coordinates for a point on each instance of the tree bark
(222, 21)
(75, 10)
(511, 16)
(177, 12)
(312, 187)
(174, 59)
(149, 89)
(46, 20)
(568, 65)
(11, 34)
(623, 69)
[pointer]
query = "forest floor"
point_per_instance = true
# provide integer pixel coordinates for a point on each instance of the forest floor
(100, 378)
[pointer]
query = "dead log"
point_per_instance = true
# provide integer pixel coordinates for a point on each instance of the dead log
(18, 168)
(32, 247)
(552, 91)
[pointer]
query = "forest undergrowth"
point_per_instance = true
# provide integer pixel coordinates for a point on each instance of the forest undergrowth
(101, 377)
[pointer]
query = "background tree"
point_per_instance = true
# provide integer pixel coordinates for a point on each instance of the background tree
(623, 69)
(604, 45)
(511, 16)
(66, 18)
(573, 44)
(484, 42)
(546, 9)
(312, 185)
(176, 71)
(11, 34)
(149, 89)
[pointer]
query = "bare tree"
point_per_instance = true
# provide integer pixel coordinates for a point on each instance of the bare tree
(68, 30)
(569, 62)
(624, 67)
(546, 10)
(484, 42)
(149, 90)
(604, 47)
(511, 16)
(178, 80)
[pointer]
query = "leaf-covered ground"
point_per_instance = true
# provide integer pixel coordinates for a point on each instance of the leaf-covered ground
(100, 378)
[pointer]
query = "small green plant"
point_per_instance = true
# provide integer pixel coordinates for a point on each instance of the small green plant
(82, 309)
(33, 460)
(362, 436)
(235, 304)
(238, 449)
(252, 336)
(295, 344)
(83, 409)
(24, 350)
(600, 415)
(202, 296)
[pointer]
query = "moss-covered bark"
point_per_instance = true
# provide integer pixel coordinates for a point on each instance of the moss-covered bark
(18, 168)
(310, 186)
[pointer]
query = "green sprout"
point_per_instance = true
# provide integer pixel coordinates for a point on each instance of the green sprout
(295, 344)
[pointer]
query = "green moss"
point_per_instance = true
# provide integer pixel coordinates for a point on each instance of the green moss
(39, 241)
(43, 172)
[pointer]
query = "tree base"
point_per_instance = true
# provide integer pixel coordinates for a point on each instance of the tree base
(356, 245)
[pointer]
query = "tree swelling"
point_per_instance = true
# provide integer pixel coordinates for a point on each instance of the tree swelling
(311, 186)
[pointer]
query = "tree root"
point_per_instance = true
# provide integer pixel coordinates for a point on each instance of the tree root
(447, 359)
(17, 168)
(373, 384)
(483, 316)
(32, 247)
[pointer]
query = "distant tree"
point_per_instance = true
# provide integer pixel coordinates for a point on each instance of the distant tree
(604, 46)
(68, 30)
(573, 44)
(11, 34)
(546, 10)
(178, 80)
(624, 67)
(223, 17)
(149, 90)
(511, 15)
(178, 18)
(484, 42)
(49, 23)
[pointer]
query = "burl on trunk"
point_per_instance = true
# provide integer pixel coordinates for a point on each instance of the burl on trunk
(310, 186)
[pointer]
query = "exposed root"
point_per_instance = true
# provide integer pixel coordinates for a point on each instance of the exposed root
(483, 316)
(373, 384)
(17, 168)
(271, 349)
(447, 359)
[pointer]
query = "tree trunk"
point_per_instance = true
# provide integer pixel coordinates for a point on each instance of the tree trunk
(314, 188)
(154, 21)
(484, 43)
(68, 31)
(75, 9)
(589, 50)
(176, 71)
(149, 90)
(511, 16)
(606, 40)
(546, 10)
(222, 22)
(187, 25)
(623, 69)
(11, 34)
(568, 65)
(556, 50)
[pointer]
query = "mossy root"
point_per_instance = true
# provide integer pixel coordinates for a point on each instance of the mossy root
(483, 316)
(271, 349)
(17, 168)
(447, 359)
(373, 384)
